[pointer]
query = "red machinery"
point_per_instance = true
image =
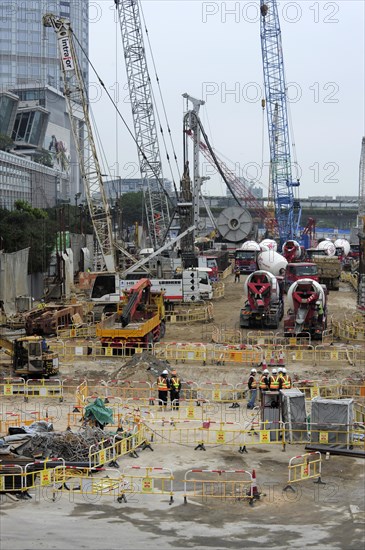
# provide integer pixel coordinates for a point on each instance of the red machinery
(307, 312)
(264, 305)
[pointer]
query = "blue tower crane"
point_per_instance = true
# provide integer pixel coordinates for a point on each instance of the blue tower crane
(287, 207)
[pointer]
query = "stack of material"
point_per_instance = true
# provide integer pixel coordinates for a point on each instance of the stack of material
(72, 447)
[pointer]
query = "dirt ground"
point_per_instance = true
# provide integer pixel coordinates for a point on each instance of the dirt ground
(330, 516)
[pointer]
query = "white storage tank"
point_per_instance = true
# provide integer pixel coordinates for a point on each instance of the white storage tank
(328, 247)
(272, 261)
(269, 244)
(342, 243)
(251, 246)
(266, 277)
(290, 246)
(313, 284)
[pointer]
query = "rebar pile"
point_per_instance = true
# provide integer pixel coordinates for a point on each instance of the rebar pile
(72, 447)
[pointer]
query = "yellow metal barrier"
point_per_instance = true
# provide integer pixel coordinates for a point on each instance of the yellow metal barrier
(327, 354)
(303, 467)
(12, 386)
(149, 480)
(43, 388)
(222, 484)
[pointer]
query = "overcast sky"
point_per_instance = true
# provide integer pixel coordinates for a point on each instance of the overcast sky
(212, 51)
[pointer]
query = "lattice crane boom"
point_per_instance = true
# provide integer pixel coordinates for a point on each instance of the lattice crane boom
(141, 97)
(287, 207)
(76, 97)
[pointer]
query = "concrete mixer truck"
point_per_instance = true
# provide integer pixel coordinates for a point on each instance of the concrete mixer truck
(245, 258)
(292, 251)
(307, 313)
(264, 307)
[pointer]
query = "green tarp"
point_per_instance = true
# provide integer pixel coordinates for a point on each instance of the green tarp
(99, 412)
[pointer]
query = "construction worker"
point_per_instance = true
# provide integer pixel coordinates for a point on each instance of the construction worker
(175, 387)
(252, 386)
(163, 386)
(264, 380)
(237, 274)
(285, 381)
(274, 380)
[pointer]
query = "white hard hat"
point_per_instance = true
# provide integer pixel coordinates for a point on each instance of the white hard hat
(266, 371)
(283, 370)
(274, 371)
(165, 372)
(280, 369)
(253, 371)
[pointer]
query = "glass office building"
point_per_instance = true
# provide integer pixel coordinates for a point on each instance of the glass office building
(30, 77)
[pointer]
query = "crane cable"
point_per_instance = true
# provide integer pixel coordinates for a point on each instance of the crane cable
(122, 118)
(164, 110)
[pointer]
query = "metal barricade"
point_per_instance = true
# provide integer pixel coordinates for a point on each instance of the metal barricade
(148, 480)
(221, 484)
(303, 467)
(43, 388)
(12, 387)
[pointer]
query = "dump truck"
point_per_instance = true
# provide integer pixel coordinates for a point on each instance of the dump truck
(31, 357)
(329, 268)
(264, 306)
(307, 313)
(139, 320)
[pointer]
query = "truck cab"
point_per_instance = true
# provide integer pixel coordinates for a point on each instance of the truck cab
(246, 260)
(299, 270)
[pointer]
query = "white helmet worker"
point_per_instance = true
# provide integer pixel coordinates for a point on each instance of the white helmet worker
(165, 372)
(266, 371)
(283, 370)
(280, 369)
(274, 371)
(253, 371)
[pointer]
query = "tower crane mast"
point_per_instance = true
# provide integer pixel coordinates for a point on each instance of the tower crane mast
(287, 207)
(76, 97)
(155, 196)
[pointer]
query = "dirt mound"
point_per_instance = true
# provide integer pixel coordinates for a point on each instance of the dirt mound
(141, 366)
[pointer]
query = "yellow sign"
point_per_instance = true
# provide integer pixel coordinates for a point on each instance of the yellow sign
(190, 413)
(323, 437)
(315, 391)
(292, 341)
(8, 389)
(138, 350)
(299, 355)
(102, 457)
(264, 436)
(109, 351)
(45, 477)
(147, 485)
(221, 437)
(73, 333)
(216, 395)
(305, 470)
(334, 355)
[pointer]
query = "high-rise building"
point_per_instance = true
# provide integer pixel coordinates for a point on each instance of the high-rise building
(30, 71)
(28, 51)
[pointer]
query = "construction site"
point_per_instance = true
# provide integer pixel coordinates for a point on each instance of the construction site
(185, 388)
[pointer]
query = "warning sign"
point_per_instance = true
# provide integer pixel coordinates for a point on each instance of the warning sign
(147, 485)
(323, 437)
(315, 391)
(8, 389)
(264, 436)
(305, 470)
(221, 437)
(190, 412)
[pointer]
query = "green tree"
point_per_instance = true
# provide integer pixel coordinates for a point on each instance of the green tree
(28, 227)
(132, 208)
(6, 143)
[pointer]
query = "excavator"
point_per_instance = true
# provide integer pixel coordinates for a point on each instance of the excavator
(31, 357)
(139, 321)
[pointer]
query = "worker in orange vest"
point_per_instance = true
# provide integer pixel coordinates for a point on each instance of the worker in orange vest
(285, 380)
(163, 386)
(175, 387)
(274, 380)
(264, 381)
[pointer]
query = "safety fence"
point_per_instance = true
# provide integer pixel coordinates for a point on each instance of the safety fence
(219, 484)
(303, 467)
(218, 290)
(351, 328)
(345, 436)
(218, 354)
(212, 434)
(109, 450)
(201, 313)
(52, 478)
(12, 416)
(351, 278)
(32, 388)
